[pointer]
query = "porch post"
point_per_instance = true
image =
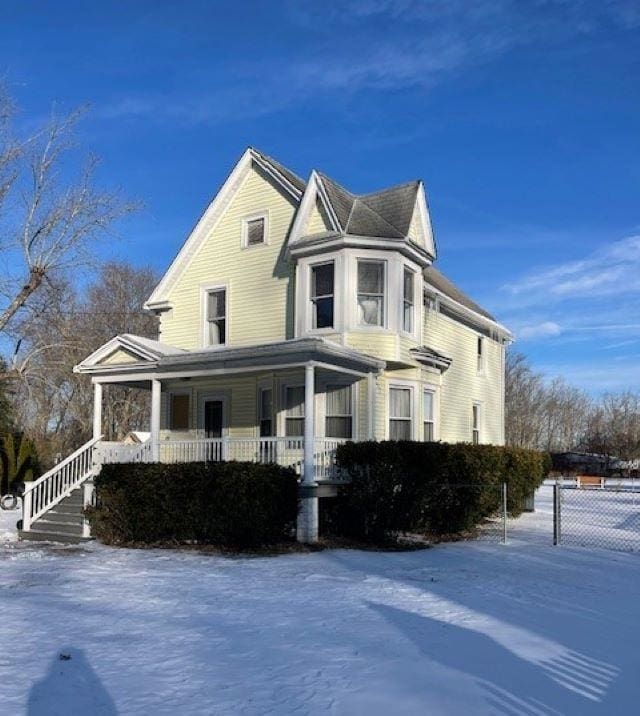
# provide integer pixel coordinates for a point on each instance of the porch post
(371, 405)
(156, 393)
(97, 410)
(307, 528)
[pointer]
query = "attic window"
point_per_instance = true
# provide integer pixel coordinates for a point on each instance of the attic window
(255, 231)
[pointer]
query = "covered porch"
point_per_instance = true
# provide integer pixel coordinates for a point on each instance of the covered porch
(291, 402)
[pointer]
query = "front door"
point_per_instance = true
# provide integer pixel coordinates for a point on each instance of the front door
(213, 418)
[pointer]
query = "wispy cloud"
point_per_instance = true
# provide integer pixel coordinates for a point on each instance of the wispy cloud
(539, 330)
(381, 45)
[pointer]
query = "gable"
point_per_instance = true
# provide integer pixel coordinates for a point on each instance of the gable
(416, 233)
(119, 356)
(318, 221)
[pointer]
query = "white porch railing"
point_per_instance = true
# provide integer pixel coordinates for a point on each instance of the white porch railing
(52, 487)
(285, 451)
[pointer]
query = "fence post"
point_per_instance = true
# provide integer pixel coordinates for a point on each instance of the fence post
(557, 512)
(504, 513)
(27, 499)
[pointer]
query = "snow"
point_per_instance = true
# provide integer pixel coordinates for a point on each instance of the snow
(465, 628)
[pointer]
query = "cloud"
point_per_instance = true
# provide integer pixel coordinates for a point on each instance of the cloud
(539, 330)
(390, 45)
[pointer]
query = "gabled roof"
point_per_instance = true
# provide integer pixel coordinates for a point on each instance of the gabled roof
(141, 351)
(431, 357)
(441, 283)
(299, 183)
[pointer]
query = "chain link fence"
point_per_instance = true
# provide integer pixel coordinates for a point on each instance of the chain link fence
(594, 516)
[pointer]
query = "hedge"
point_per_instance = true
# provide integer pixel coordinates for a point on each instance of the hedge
(428, 488)
(227, 504)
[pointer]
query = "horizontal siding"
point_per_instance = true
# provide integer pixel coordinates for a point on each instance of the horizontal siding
(461, 384)
(119, 356)
(258, 278)
(379, 345)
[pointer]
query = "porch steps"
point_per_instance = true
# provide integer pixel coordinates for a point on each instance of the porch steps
(62, 523)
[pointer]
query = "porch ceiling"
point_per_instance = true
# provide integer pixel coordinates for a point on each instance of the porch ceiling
(220, 361)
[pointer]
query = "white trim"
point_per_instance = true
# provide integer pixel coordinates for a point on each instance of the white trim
(435, 393)
(209, 219)
(481, 427)
(313, 192)
(321, 402)
(403, 384)
(481, 357)
(425, 220)
(261, 386)
(265, 215)
(385, 295)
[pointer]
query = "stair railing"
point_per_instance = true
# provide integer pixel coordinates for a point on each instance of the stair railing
(56, 484)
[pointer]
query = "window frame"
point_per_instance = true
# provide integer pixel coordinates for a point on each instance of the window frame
(412, 417)
(480, 355)
(246, 220)
(384, 295)
(432, 422)
(171, 394)
(259, 414)
(206, 291)
(476, 422)
(406, 270)
(351, 415)
(312, 298)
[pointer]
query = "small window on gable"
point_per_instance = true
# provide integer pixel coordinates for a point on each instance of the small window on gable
(179, 412)
(216, 317)
(255, 231)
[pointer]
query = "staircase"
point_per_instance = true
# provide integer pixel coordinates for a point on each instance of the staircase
(52, 505)
(62, 523)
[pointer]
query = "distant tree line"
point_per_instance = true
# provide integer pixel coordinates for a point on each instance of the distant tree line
(558, 417)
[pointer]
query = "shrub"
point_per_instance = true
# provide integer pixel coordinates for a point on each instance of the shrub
(229, 504)
(18, 461)
(430, 488)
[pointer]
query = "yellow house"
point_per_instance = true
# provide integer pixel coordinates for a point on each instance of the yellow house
(298, 315)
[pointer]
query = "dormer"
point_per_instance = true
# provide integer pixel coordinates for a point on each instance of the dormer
(359, 262)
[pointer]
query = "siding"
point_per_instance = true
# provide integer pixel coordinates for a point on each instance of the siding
(373, 343)
(461, 384)
(258, 279)
(119, 356)
(318, 220)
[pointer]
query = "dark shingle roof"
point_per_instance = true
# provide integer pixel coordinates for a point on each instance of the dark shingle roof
(292, 178)
(441, 283)
(385, 214)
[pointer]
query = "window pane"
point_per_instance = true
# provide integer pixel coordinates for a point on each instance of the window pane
(255, 231)
(216, 304)
(427, 406)
(370, 277)
(370, 310)
(323, 313)
(179, 412)
(338, 427)
(217, 332)
(266, 402)
(294, 427)
(476, 417)
(400, 403)
(399, 430)
(294, 401)
(322, 280)
(428, 432)
(408, 286)
(338, 400)
(407, 319)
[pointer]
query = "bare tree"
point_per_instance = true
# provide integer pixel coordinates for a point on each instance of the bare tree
(50, 216)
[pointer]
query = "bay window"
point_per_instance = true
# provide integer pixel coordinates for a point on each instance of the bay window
(400, 414)
(371, 293)
(322, 295)
(338, 412)
(407, 301)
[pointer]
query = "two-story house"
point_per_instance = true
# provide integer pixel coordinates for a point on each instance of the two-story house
(298, 315)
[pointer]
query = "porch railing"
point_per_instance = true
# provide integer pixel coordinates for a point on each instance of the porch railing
(52, 487)
(285, 451)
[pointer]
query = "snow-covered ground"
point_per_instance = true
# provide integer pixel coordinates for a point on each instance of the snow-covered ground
(466, 628)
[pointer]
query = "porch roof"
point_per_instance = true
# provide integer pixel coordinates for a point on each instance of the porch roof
(144, 356)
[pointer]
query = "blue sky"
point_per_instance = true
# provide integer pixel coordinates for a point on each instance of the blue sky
(523, 119)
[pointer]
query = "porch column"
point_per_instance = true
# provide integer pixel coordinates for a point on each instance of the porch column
(307, 528)
(371, 406)
(156, 393)
(97, 410)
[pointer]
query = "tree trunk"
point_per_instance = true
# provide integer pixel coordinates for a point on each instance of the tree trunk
(36, 276)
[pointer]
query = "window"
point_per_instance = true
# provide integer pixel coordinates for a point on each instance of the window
(216, 317)
(429, 433)
(265, 412)
(399, 414)
(371, 293)
(480, 354)
(475, 424)
(255, 231)
(407, 302)
(179, 412)
(294, 411)
(338, 420)
(322, 280)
